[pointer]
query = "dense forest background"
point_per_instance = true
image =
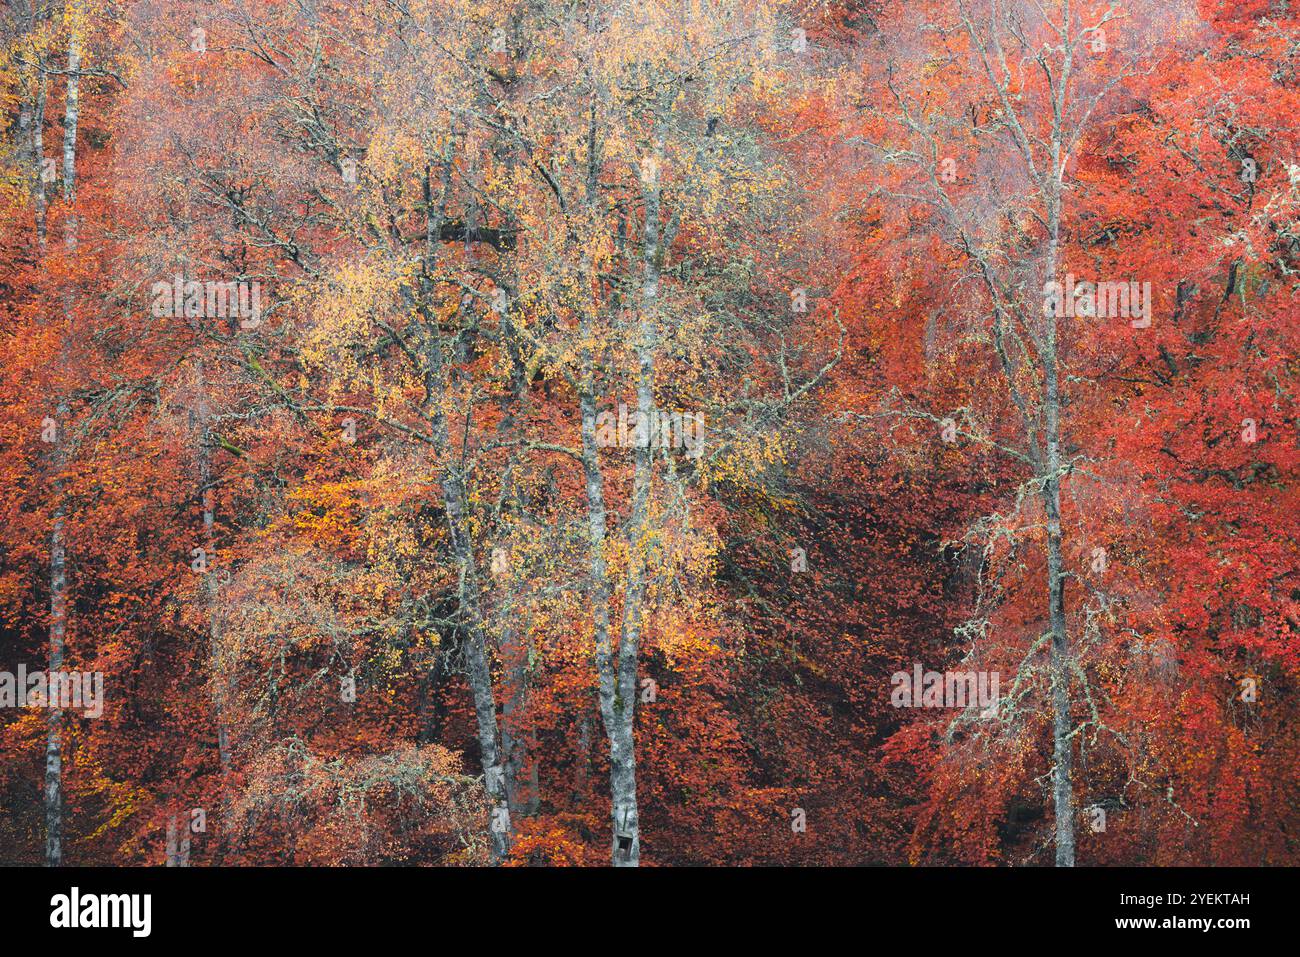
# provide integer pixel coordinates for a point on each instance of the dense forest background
(333, 335)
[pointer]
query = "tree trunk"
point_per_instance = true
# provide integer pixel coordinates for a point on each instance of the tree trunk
(451, 481)
(478, 669)
(522, 788)
(58, 547)
(38, 156)
(71, 115)
(1062, 748)
(203, 459)
(54, 733)
(598, 574)
(626, 846)
(178, 841)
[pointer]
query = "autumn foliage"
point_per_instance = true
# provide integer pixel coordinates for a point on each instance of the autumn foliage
(324, 361)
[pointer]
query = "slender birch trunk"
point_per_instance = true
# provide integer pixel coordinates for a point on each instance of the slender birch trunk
(617, 679)
(38, 156)
(1062, 751)
(54, 732)
(597, 536)
(71, 116)
(178, 840)
(203, 459)
(478, 669)
(522, 788)
(455, 501)
(597, 568)
(1062, 747)
(1047, 467)
(58, 546)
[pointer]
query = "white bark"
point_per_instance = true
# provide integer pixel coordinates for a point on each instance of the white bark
(455, 501)
(203, 459)
(617, 680)
(38, 156)
(1062, 749)
(58, 546)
